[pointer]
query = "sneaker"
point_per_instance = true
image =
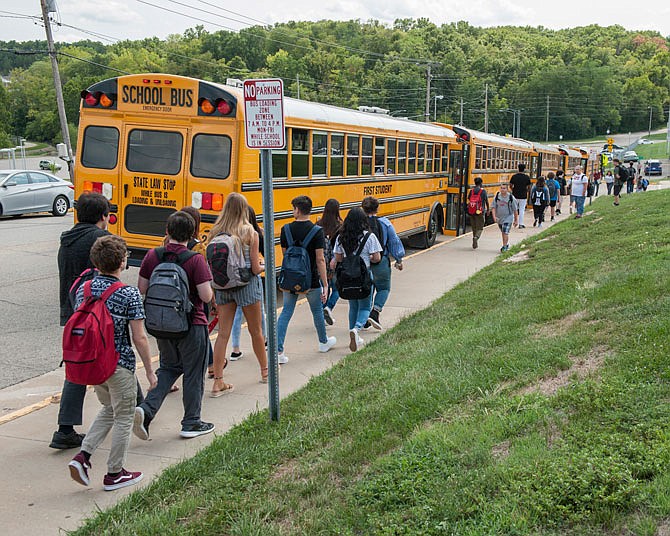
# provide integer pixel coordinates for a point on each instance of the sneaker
(234, 356)
(355, 342)
(474, 243)
(570, 210)
(141, 424)
(282, 358)
(539, 225)
(122, 480)
(328, 316)
(552, 218)
(79, 469)
(63, 440)
(558, 211)
(505, 248)
(502, 248)
(522, 226)
(374, 319)
(195, 430)
(534, 223)
(324, 347)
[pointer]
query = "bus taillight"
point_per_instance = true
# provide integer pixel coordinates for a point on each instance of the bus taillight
(207, 201)
(103, 188)
(90, 98)
(217, 202)
(223, 107)
(106, 101)
(206, 106)
(112, 219)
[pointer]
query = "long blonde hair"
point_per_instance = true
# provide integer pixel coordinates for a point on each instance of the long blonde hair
(234, 220)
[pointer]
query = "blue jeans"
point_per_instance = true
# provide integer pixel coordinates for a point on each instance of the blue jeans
(359, 312)
(333, 294)
(314, 299)
(382, 282)
(579, 204)
(237, 324)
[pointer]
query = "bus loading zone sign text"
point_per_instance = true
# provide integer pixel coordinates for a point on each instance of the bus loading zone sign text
(264, 113)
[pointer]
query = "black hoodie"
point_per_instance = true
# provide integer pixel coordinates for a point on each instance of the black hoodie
(73, 259)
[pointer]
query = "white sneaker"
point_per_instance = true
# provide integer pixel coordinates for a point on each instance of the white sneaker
(328, 316)
(324, 347)
(355, 342)
(282, 359)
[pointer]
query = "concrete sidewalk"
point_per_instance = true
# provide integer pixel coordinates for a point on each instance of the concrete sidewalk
(37, 494)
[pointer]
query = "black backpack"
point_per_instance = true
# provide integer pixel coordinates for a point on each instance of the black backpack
(167, 304)
(296, 268)
(623, 174)
(352, 277)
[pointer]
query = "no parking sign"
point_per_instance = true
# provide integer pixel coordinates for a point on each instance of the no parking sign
(264, 113)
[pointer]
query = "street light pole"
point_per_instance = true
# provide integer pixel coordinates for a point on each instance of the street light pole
(651, 111)
(435, 99)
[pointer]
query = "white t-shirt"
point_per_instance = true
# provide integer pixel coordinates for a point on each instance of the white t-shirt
(609, 179)
(371, 246)
(579, 184)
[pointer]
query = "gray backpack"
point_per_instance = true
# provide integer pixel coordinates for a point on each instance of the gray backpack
(167, 304)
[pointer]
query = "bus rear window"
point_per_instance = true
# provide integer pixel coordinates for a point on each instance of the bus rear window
(210, 157)
(101, 147)
(153, 151)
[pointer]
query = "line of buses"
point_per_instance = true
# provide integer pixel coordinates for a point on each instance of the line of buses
(153, 143)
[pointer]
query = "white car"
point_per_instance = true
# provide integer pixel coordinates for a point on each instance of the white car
(24, 191)
(643, 141)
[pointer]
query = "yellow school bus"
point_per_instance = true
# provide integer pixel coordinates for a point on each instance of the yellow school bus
(153, 143)
(545, 159)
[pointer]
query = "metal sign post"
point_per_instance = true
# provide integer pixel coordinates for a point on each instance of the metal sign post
(264, 117)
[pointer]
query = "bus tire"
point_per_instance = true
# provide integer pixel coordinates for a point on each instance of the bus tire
(428, 237)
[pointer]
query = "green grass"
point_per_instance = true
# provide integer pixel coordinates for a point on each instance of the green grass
(656, 150)
(429, 431)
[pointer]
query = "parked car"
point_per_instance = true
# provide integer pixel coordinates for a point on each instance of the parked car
(653, 167)
(46, 165)
(630, 156)
(644, 141)
(23, 192)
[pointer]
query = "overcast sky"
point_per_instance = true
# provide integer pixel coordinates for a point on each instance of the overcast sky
(134, 19)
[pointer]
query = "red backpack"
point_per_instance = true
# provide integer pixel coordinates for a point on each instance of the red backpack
(475, 202)
(89, 352)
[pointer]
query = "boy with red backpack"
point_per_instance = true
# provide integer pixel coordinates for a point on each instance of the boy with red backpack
(478, 207)
(118, 392)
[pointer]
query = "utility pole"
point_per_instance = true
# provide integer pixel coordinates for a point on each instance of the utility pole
(59, 88)
(428, 79)
(297, 78)
(486, 108)
(461, 120)
(546, 136)
(518, 123)
(651, 111)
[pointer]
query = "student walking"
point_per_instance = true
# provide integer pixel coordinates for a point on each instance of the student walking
(233, 234)
(187, 354)
(118, 394)
(620, 178)
(520, 185)
(297, 234)
(73, 258)
(609, 181)
(554, 193)
(391, 247)
(539, 198)
(505, 212)
(330, 222)
(560, 178)
(478, 207)
(579, 189)
(630, 181)
(236, 352)
(355, 239)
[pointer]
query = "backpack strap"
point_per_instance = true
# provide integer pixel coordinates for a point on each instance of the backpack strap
(180, 258)
(363, 242)
(310, 235)
(110, 290)
(289, 236)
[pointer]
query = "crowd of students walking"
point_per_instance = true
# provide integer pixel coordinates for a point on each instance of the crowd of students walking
(347, 259)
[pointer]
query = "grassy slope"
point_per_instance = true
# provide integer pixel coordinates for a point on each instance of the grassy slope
(426, 430)
(655, 150)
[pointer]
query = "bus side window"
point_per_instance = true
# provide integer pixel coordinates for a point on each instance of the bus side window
(366, 161)
(438, 158)
(336, 155)
(402, 156)
(390, 156)
(429, 158)
(411, 157)
(299, 153)
(319, 154)
(353, 153)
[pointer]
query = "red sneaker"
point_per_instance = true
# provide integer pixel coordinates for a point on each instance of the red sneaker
(123, 479)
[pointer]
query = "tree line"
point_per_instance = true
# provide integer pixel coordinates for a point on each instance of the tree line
(573, 83)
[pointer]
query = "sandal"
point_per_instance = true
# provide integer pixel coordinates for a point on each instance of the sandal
(225, 389)
(264, 375)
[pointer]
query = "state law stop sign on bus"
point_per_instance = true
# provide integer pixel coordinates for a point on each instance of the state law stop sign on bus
(264, 113)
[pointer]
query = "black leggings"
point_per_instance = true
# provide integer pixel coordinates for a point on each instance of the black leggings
(538, 212)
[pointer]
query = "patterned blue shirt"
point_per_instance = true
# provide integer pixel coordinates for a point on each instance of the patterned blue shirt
(124, 305)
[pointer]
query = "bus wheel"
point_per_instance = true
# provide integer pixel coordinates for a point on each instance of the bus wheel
(429, 236)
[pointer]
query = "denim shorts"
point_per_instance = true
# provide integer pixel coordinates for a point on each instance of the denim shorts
(505, 227)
